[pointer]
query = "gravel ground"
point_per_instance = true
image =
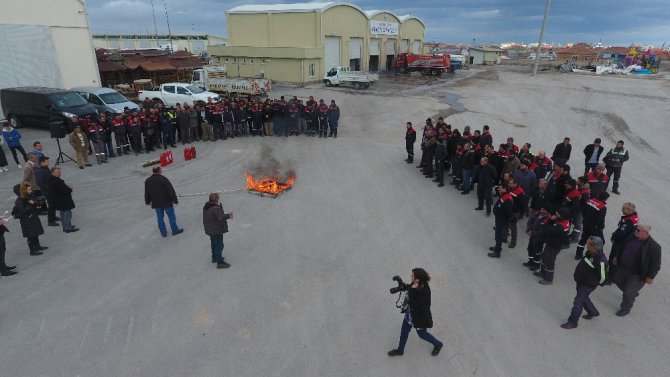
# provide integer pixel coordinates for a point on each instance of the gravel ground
(307, 293)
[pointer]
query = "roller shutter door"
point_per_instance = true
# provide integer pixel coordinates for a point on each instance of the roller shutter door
(390, 47)
(374, 47)
(404, 45)
(332, 57)
(355, 48)
(416, 45)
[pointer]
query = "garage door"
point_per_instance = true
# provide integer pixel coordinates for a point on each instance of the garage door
(390, 47)
(355, 48)
(404, 45)
(332, 52)
(416, 44)
(374, 47)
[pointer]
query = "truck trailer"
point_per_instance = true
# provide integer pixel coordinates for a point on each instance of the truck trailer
(429, 65)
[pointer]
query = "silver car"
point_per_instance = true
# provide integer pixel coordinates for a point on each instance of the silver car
(106, 100)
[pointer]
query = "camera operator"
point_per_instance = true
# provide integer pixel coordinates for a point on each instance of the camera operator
(27, 208)
(418, 315)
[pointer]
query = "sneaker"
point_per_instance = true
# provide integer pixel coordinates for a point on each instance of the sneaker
(568, 325)
(436, 349)
(8, 273)
(222, 264)
(394, 353)
(178, 231)
(19, 166)
(71, 230)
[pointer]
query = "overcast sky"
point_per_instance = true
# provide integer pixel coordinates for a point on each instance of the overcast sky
(614, 22)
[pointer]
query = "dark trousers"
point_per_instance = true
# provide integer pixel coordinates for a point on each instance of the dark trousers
(423, 334)
(217, 131)
(51, 212)
(323, 127)
(484, 195)
(20, 149)
(501, 228)
(440, 170)
(512, 228)
(582, 302)
(410, 152)
(630, 284)
(109, 147)
(590, 167)
(549, 262)
(185, 130)
(3, 158)
(587, 232)
(217, 247)
(121, 142)
(613, 172)
(3, 247)
(537, 250)
(33, 243)
(136, 138)
(167, 138)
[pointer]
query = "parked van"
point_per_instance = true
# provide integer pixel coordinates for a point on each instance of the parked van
(106, 100)
(37, 106)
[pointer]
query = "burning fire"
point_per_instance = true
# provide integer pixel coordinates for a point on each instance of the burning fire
(269, 185)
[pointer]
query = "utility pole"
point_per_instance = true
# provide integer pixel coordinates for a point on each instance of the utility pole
(153, 11)
(539, 44)
(167, 19)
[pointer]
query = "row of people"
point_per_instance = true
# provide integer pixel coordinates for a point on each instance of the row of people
(560, 209)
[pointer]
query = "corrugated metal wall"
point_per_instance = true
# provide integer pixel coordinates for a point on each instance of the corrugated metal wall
(28, 57)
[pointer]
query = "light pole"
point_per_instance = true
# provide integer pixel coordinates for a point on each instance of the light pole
(539, 44)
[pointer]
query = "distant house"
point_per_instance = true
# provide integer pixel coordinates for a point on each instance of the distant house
(579, 53)
(485, 55)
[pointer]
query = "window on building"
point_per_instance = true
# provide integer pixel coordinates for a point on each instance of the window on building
(311, 70)
(263, 61)
(251, 61)
(225, 60)
(244, 61)
(234, 60)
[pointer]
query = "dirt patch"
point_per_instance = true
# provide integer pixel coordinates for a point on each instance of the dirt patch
(613, 126)
(487, 75)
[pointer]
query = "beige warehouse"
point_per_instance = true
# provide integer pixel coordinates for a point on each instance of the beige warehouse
(299, 43)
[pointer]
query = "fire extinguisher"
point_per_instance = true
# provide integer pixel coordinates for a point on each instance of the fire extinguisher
(193, 152)
(187, 154)
(163, 159)
(170, 158)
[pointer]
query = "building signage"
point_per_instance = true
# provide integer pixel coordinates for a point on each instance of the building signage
(384, 28)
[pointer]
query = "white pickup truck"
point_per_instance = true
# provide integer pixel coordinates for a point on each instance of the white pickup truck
(345, 76)
(177, 92)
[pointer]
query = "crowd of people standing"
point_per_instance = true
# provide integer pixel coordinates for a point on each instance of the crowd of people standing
(557, 208)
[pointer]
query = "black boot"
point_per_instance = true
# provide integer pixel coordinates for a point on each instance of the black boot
(33, 248)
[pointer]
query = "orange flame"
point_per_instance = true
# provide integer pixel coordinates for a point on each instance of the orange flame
(269, 185)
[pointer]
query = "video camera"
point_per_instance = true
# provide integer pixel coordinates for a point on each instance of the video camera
(401, 285)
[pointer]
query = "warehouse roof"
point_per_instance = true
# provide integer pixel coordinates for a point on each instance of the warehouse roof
(279, 8)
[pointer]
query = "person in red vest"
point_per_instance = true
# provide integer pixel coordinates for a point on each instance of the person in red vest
(625, 228)
(410, 139)
(598, 180)
(593, 213)
(503, 211)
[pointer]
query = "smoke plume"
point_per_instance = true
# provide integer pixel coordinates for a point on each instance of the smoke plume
(268, 166)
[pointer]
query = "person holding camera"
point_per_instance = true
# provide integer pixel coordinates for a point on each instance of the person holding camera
(417, 312)
(27, 209)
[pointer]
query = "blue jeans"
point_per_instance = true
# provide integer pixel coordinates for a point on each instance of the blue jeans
(66, 219)
(466, 179)
(160, 212)
(217, 247)
(423, 334)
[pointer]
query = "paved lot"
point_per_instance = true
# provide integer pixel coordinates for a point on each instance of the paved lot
(307, 293)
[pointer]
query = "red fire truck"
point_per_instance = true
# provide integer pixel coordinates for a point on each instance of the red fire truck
(430, 65)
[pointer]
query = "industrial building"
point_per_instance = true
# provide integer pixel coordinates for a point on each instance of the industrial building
(485, 55)
(299, 43)
(46, 43)
(194, 44)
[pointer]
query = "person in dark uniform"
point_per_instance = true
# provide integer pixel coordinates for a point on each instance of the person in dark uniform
(429, 153)
(518, 209)
(322, 116)
(535, 243)
(614, 163)
(638, 262)
(593, 220)
(293, 119)
(333, 118)
(485, 176)
(310, 118)
(625, 228)
(598, 180)
(5, 270)
(410, 139)
(554, 234)
(592, 154)
(503, 212)
(440, 158)
(418, 314)
(468, 162)
(590, 272)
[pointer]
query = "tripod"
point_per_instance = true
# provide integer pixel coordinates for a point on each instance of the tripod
(61, 155)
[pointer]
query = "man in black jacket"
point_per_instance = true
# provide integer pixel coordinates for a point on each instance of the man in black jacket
(503, 212)
(485, 176)
(60, 196)
(593, 213)
(418, 313)
(589, 273)
(553, 234)
(637, 263)
(215, 222)
(410, 139)
(160, 195)
(592, 154)
(562, 152)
